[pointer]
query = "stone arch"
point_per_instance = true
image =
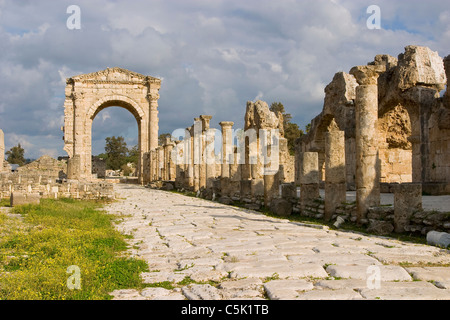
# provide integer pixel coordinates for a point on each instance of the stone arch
(119, 101)
(395, 147)
(326, 123)
(87, 95)
(131, 106)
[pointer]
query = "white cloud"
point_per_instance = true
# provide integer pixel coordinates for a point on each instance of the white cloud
(212, 55)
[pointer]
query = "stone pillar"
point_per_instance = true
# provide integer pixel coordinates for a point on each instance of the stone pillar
(154, 120)
(161, 171)
(210, 157)
(227, 157)
(2, 150)
(202, 166)
(271, 165)
(189, 156)
(73, 167)
(165, 161)
(407, 200)
(227, 147)
(335, 173)
(178, 164)
(447, 72)
(170, 171)
(368, 167)
(309, 178)
(271, 187)
(153, 165)
(197, 152)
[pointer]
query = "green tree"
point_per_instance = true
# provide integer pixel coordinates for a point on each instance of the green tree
(308, 127)
(162, 138)
(133, 155)
(291, 130)
(117, 151)
(16, 155)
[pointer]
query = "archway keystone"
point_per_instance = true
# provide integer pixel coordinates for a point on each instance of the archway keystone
(88, 94)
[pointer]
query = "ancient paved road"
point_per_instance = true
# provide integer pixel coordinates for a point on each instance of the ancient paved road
(231, 253)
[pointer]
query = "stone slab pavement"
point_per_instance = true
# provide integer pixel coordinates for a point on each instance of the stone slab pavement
(201, 249)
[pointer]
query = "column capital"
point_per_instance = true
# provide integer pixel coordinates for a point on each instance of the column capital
(205, 121)
(367, 75)
(225, 124)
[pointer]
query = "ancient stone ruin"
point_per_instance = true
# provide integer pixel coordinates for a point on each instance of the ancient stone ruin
(88, 94)
(384, 128)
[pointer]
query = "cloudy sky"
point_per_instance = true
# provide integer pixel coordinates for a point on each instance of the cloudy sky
(212, 56)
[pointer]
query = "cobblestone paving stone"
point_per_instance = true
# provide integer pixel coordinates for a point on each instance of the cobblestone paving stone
(206, 250)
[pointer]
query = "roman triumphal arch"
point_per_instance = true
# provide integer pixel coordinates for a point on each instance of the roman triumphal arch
(88, 94)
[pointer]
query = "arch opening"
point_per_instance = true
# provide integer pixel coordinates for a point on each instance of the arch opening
(109, 121)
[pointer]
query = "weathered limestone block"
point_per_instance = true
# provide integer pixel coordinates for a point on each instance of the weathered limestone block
(74, 167)
(21, 198)
(271, 187)
(380, 227)
(246, 188)
(288, 191)
(335, 174)
(309, 178)
(340, 91)
(281, 207)
(257, 186)
(258, 115)
(407, 200)
(420, 66)
(309, 168)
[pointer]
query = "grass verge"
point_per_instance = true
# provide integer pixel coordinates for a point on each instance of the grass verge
(37, 250)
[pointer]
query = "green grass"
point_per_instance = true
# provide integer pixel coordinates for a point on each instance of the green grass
(57, 234)
(4, 202)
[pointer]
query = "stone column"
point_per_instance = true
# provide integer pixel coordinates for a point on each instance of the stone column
(178, 164)
(407, 200)
(335, 173)
(189, 156)
(153, 165)
(227, 156)
(227, 146)
(202, 168)
(73, 167)
(79, 151)
(153, 120)
(2, 150)
(170, 165)
(309, 178)
(368, 167)
(161, 171)
(271, 164)
(271, 187)
(447, 72)
(210, 157)
(197, 152)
